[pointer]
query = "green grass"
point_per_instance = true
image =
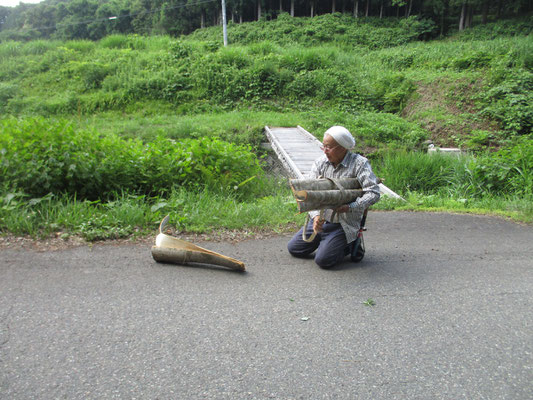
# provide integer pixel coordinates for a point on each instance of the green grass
(198, 212)
(514, 208)
(207, 212)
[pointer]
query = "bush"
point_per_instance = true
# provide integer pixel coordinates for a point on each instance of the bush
(38, 47)
(415, 171)
(115, 42)
(39, 157)
(497, 29)
(509, 170)
(92, 74)
(510, 100)
(7, 91)
(381, 128)
(305, 60)
(82, 46)
(474, 60)
(373, 33)
(393, 91)
(506, 172)
(180, 50)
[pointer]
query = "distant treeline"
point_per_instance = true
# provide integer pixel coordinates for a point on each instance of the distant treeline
(95, 19)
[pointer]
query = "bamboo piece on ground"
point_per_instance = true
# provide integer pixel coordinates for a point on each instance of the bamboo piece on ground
(173, 250)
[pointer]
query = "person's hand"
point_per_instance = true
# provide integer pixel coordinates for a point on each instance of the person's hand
(342, 209)
(317, 223)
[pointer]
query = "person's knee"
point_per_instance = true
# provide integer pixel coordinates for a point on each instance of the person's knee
(295, 251)
(325, 263)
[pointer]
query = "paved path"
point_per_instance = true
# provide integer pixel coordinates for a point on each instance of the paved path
(452, 319)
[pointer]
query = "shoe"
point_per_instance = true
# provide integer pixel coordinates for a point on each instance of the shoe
(358, 249)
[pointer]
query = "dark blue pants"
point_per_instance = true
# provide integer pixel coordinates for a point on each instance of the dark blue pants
(330, 244)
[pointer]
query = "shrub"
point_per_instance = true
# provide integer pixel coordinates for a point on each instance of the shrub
(92, 74)
(304, 85)
(82, 46)
(38, 47)
(115, 42)
(497, 29)
(7, 91)
(233, 56)
(39, 157)
(415, 171)
(10, 49)
(508, 170)
(474, 60)
(379, 128)
(305, 60)
(510, 101)
(393, 91)
(180, 50)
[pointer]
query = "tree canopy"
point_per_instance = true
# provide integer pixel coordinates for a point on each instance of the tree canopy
(94, 19)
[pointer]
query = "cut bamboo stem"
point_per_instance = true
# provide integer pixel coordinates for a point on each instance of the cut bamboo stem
(173, 250)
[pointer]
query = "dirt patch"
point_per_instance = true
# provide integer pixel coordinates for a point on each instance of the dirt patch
(447, 110)
(54, 243)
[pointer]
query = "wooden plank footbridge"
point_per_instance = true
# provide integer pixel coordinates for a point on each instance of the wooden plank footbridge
(297, 149)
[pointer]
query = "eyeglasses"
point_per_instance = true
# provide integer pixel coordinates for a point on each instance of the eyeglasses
(328, 147)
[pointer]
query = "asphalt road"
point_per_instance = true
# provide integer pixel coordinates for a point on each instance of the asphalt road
(452, 319)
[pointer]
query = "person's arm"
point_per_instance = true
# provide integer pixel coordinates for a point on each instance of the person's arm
(370, 186)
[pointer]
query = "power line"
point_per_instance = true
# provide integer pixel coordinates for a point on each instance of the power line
(196, 3)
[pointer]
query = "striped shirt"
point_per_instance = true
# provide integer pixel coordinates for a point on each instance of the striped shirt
(352, 166)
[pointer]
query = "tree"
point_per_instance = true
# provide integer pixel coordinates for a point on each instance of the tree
(76, 24)
(381, 9)
(103, 24)
(4, 14)
(141, 21)
(356, 8)
(41, 18)
(399, 4)
(440, 10)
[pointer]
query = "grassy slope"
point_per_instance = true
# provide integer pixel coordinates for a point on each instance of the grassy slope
(332, 63)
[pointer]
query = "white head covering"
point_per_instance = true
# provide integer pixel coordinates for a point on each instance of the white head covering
(342, 136)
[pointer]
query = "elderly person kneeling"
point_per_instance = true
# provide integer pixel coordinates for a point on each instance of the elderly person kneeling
(336, 238)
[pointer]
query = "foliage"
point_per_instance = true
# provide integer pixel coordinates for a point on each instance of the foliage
(143, 117)
(508, 170)
(56, 78)
(93, 19)
(381, 128)
(131, 215)
(39, 157)
(499, 173)
(510, 100)
(338, 28)
(415, 171)
(493, 30)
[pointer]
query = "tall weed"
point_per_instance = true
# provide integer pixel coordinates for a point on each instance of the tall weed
(416, 172)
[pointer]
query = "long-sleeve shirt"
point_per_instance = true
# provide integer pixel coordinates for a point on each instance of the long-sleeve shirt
(352, 166)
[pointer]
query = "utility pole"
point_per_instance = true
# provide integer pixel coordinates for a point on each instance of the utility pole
(224, 28)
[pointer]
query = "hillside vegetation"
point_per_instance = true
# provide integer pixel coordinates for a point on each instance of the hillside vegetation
(156, 104)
